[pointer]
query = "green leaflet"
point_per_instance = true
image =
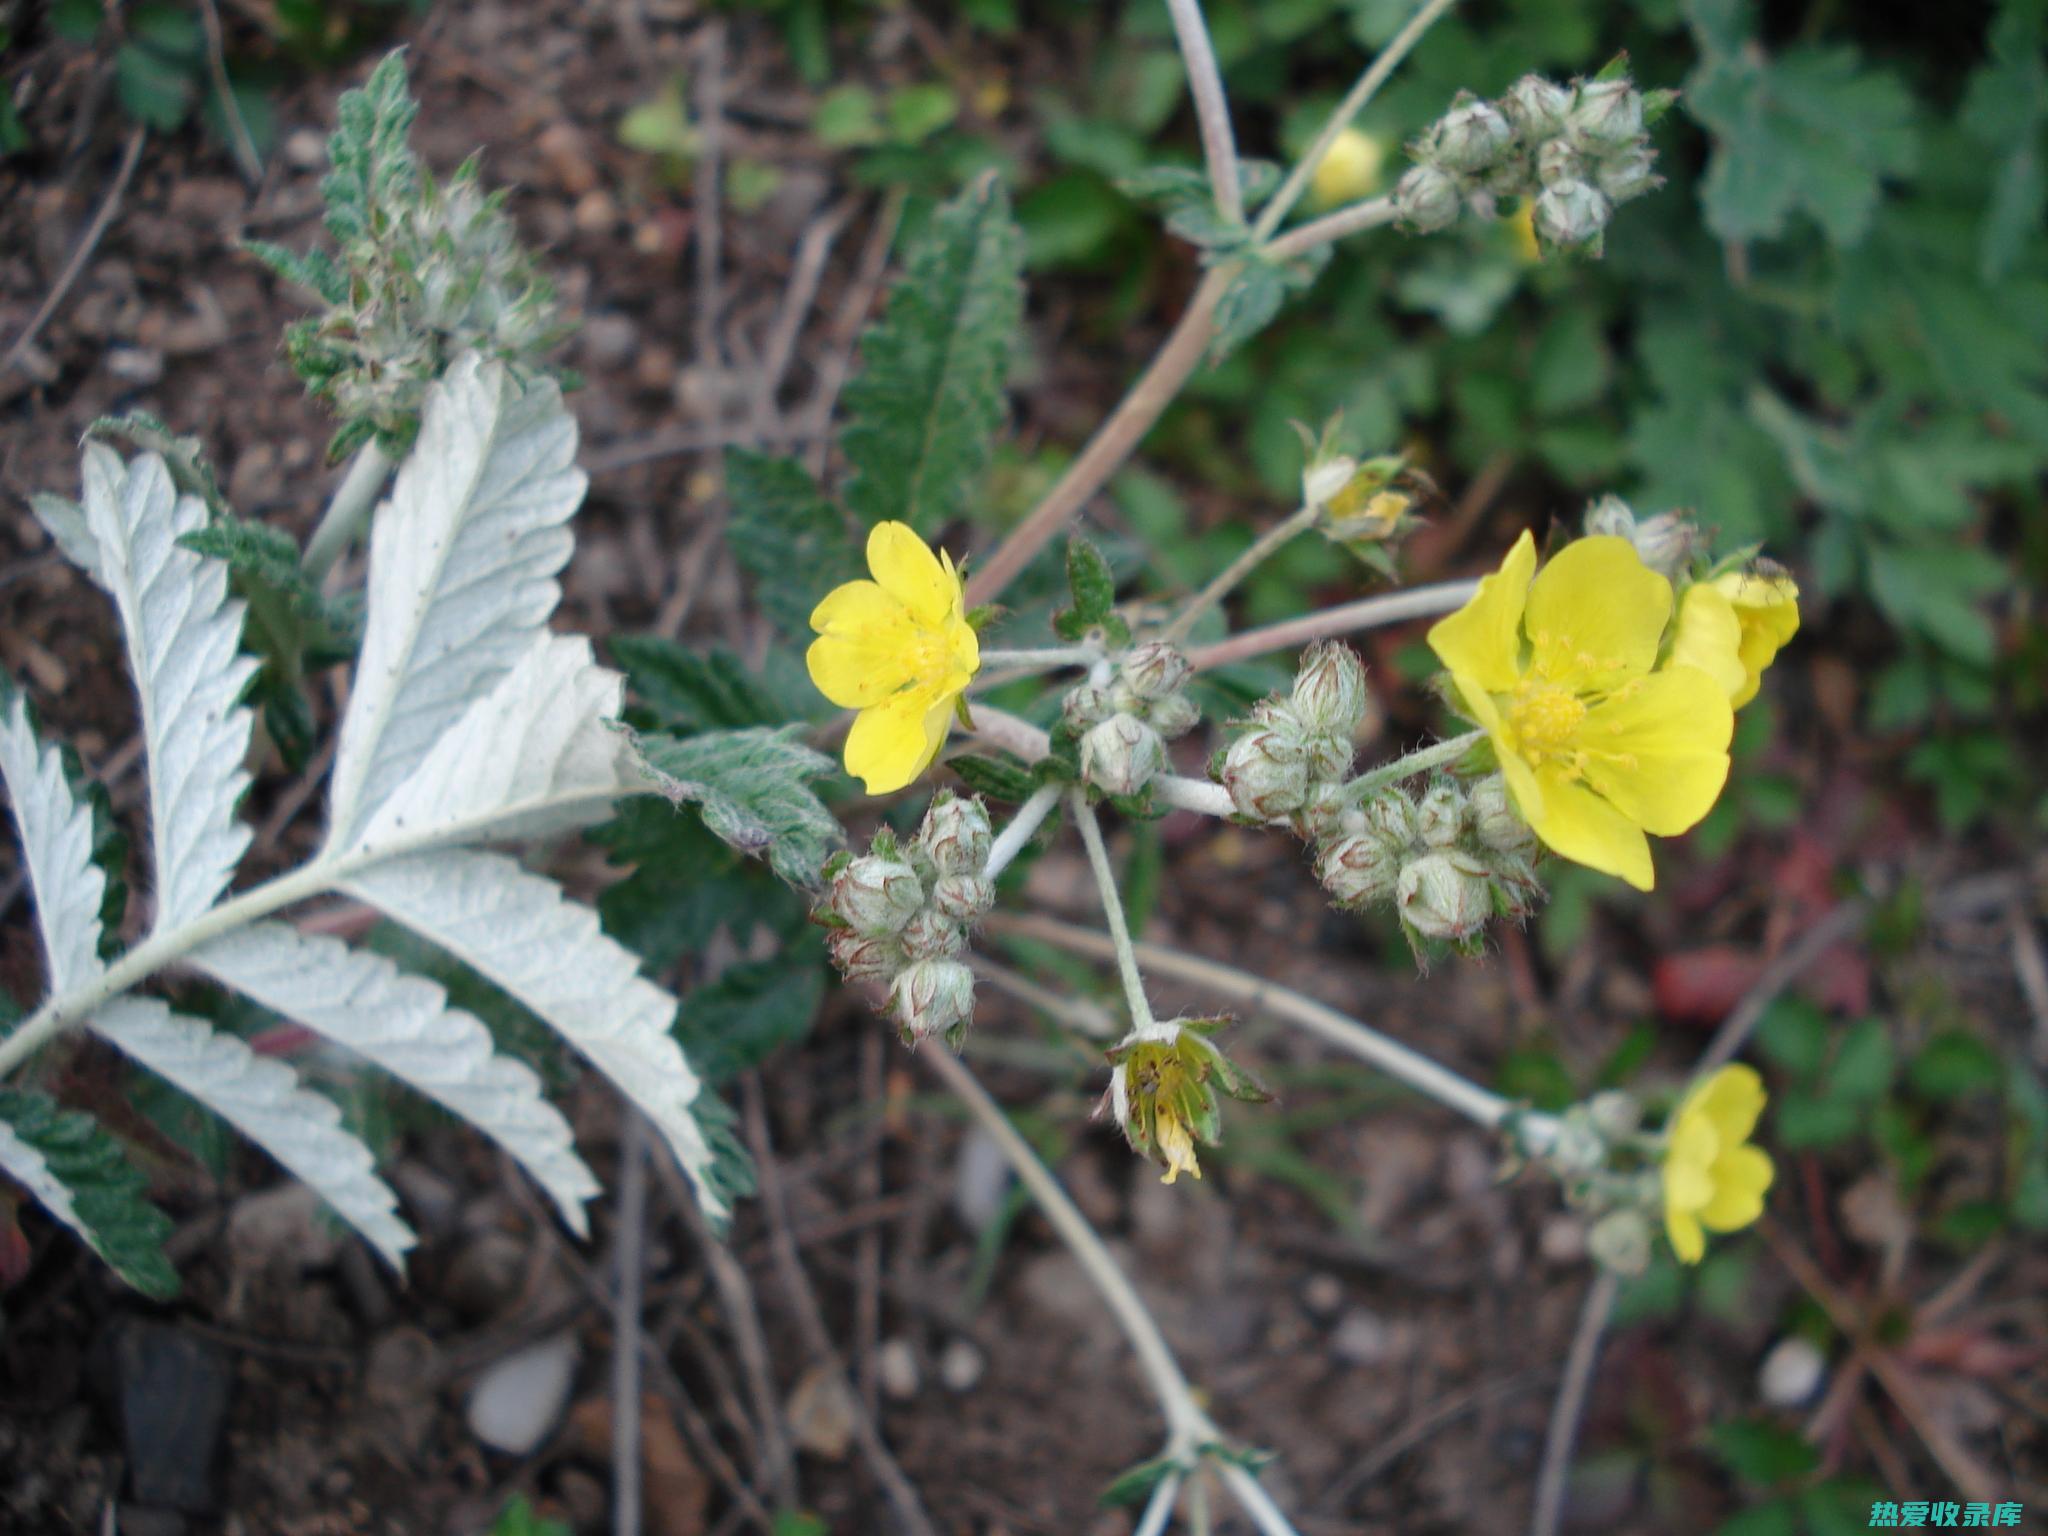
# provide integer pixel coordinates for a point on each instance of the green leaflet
(107, 1192)
(753, 789)
(929, 397)
(749, 1012)
(704, 690)
(787, 535)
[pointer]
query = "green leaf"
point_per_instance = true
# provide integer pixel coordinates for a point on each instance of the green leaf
(1093, 587)
(291, 621)
(1134, 1485)
(2006, 111)
(922, 413)
(153, 89)
(916, 112)
(787, 536)
(370, 161)
(703, 690)
(184, 456)
(684, 886)
(1794, 1034)
(749, 1012)
(1006, 779)
(1812, 130)
(1862, 1071)
(1954, 1064)
(753, 789)
(1762, 1453)
(106, 1196)
(661, 124)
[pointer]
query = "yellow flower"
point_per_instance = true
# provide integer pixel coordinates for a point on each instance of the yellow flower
(1522, 226)
(1349, 170)
(1713, 1179)
(900, 650)
(1735, 625)
(1176, 1145)
(1598, 744)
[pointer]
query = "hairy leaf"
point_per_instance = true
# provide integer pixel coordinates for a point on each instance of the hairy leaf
(1004, 778)
(753, 789)
(787, 535)
(64, 520)
(183, 638)
(371, 162)
(263, 1100)
(923, 410)
(183, 455)
(749, 1012)
(518, 931)
(463, 559)
(683, 885)
(57, 842)
(2007, 112)
(703, 690)
(404, 1025)
(79, 1174)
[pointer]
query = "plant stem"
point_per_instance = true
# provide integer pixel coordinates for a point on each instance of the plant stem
(1370, 214)
(1046, 659)
(1001, 729)
(354, 499)
(1346, 619)
(1159, 1508)
(1282, 202)
(1571, 1403)
(1012, 839)
(1254, 1500)
(1212, 111)
(1188, 1424)
(1112, 443)
(1262, 549)
(1113, 911)
(1415, 762)
(1398, 1061)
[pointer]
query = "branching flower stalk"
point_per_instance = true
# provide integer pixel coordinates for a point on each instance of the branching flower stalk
(348, 513)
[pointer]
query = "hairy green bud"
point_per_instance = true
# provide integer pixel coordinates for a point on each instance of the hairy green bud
(876, 896)
(1122, 755)
(1440, 816)
(1427, 200)
(931, 997)
(1444, 896)
(956, 835)
(1266, 772)
(1359, 870)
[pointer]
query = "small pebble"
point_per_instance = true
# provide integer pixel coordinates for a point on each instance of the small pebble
(981, 1177)
(961, 1366)
(1362, 1339)
(1791, 1373)
(896, 1369)
(519, 1399)
(1322, 1295)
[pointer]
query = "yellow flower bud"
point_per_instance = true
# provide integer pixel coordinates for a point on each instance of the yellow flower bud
(1351, 168)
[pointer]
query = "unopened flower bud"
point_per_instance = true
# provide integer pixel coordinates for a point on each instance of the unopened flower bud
(1557, 161)
(1324, 478)
(1427, 200)
(1535, 107)
(1615, 1114)
(1620, 1241)
(1122, 754)
(1571, 213)
(964, 898)
(1666, 543)
(1495, 821)
(1575, 1146)
(1440, 816)
(1444, 896)
(1349, 170)
(1322, 814)
(933, 996)
(1155, 670)
(1359, 870)
(956, 835)
(1330, 694)
(1089, 704)
(861, 957)
(1628, 173)
(1266, 773)
(876, 896)
(1390, 817)
(1173, 716)
(932, 935)
(1471, 136)
(1608, 114)
(1610, 517)
(1517, 893)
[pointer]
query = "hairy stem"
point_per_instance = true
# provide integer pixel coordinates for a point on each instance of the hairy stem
(346, 514)
(1212, 111)
(1045, 659)
(1370, 214)
(1112, 910)
(1159, 1508)
(1282, 202)
(1189, 1425)
(1012, 840)
(1254, 1500)
(1113, 442)
(1390, 1056)
(1415, 762)
(1001, 729)
(1345, 619)
(1262, 549)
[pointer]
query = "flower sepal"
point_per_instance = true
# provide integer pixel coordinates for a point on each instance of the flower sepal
(1163, 1090)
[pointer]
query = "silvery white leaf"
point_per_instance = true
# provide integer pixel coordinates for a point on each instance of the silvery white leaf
(56, 844)
(519, 931)
(404, 1024)
(463, 558)
(28, 1168)
(64, 521)
(262, 1099)
(183, 638)
(538, 753)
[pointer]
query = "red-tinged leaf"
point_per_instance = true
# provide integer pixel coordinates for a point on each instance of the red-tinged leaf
(1700, 986)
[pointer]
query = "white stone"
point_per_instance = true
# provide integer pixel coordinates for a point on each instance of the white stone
(1791, 1373)
(960, 1366)
(520, 1398)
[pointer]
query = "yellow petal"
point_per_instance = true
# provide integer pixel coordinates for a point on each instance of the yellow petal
(1687, 1240)
(1481, 643)
(856, 606)
(1521, 779)
(1767, 609)
(1658, 751)
(909, 572)
(1577, 823)
(891, 743)
(1731, 1101)
(1597, 613)
(1710, 638)
(1741, 1178)
(858, 673)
